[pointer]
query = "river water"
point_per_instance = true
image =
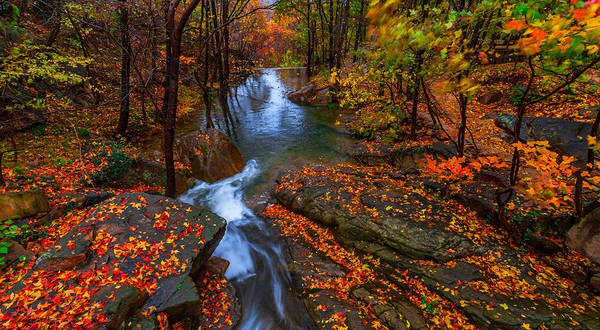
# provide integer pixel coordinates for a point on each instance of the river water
(273, 134)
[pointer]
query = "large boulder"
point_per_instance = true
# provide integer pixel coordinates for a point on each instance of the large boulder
(23, 204)
(564, 136)
(212, 155)
(133, 253)
(584, 237)
(309, 95)
(490, 97)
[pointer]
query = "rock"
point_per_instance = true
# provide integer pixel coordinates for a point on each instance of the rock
(140, 322)
(447, 248)
(490, 115)
(378, 153)
(183, 301)
(122, 301)
(589, 112)
(303, 95)
(416, 239)
(216, 294)
(578, 276)
(57, 212)
(324, 317)
(18, 120)
(490, 97)
(584, 237)
(446, 150)
(156, 245)
(399, 316)
(23, 204)
(564, 137)
(15, 251)
(94, 198)
(322, 98)
(309, 95)
(595, 282)
(304, 266)
(212, 155)
(217, 265)
(543, 244)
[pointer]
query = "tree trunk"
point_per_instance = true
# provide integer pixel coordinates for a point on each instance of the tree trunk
(358, 38)
(160, 117)
(125, 70)
(175, 33)
(413, 124)
(463, 102)
(226, 69)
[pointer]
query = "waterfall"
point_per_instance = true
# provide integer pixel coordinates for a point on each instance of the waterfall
(257, 268)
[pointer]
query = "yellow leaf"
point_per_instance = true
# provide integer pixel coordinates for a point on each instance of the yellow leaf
(505, 306)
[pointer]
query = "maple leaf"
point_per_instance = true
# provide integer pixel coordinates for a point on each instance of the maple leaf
(515, 25)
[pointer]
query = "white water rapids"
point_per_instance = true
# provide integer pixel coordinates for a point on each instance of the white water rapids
(257, 267)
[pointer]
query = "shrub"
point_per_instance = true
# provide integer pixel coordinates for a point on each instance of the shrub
(107, 160)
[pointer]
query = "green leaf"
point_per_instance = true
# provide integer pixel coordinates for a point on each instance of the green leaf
(22, 258)
(3, 250)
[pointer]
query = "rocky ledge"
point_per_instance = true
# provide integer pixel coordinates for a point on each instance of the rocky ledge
(385, 251)
(136, 261)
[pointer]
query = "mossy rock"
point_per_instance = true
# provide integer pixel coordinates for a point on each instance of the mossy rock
(23, 204)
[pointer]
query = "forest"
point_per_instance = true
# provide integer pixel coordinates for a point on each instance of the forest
(299, 164)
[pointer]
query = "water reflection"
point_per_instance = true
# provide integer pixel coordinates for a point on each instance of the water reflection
(266, 126)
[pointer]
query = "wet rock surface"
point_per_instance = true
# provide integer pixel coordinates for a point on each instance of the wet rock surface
(490, 97)
(442, 245)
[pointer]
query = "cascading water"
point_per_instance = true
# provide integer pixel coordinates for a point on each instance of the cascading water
(257, 267)
(277, 134)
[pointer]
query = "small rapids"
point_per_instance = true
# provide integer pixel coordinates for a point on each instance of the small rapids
(257, 266)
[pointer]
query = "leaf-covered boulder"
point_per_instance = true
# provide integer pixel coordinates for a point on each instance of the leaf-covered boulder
(135, 253)
(23, 204)
(211, 154)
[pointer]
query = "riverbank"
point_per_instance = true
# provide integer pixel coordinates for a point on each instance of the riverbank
(394, 253)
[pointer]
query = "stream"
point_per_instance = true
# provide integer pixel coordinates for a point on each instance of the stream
(273, 134)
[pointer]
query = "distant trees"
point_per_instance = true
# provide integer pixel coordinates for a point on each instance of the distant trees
(329, 29)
